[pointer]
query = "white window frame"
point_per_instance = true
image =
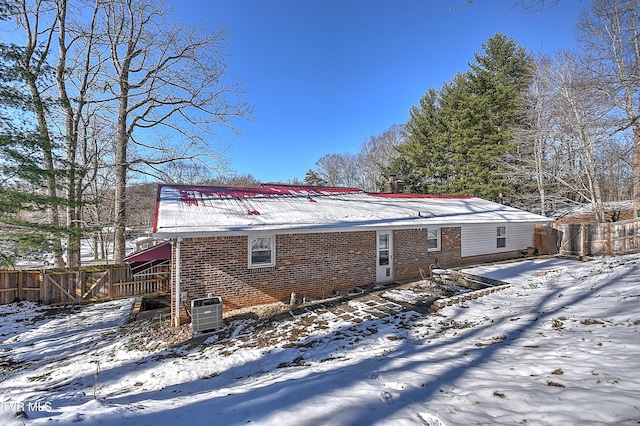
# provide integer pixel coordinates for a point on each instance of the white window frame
(501, 236)
(272, 244)
(438, 239)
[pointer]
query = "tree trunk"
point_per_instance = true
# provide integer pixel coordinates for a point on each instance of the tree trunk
(71, 143)
(539, 158)
(120, 216)
(636, 168)
(49, 166)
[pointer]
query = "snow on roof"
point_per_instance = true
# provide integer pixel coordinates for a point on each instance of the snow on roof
(194, 210)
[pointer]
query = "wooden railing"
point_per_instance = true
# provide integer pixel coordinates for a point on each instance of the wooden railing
(78, 286)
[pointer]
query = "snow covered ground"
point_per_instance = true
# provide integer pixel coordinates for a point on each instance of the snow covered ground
(561, 346)
(87, 256)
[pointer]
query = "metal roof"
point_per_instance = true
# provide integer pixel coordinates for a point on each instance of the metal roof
(160, 251)
(183, 210)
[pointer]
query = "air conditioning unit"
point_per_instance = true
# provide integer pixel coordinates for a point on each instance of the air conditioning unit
(206, 314)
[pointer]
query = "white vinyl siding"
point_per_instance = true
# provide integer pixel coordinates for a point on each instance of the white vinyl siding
(481, 238)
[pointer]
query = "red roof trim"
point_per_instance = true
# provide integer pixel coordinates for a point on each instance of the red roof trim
(405, 195)
(155, 213)
(313, 189)
(191, 195)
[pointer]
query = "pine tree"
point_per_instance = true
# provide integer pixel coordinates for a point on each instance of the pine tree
(313, 178)
(457, 139)
(497, 83)
(419, 155)
(24, 198)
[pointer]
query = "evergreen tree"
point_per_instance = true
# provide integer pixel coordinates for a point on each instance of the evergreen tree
(313, 178)
(457, 139)
(419, 154)
(497, 83)
(24, 180)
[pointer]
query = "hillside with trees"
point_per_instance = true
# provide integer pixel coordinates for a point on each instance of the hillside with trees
(95, 97)
(99, 99)
(537, 131)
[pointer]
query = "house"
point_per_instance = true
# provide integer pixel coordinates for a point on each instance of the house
(259, 245)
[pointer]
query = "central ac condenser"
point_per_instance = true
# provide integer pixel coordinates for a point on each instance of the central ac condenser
(206, 314)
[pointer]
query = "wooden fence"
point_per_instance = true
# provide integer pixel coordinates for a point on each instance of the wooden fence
(595, 239)
(85, 285)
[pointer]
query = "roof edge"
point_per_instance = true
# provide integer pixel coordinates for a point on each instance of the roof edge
(166, 234)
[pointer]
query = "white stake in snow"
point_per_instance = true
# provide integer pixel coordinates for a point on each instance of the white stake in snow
(177, 317)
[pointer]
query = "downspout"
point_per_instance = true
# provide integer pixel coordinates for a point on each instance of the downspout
(177, 308)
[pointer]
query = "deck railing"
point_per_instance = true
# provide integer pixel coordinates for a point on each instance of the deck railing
(84, 285)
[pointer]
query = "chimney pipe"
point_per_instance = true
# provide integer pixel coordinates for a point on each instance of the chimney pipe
(393, 186)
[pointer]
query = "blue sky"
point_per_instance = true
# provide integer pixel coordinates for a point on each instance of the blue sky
(325, 75)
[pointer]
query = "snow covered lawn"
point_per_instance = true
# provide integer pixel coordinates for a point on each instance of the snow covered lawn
(557, 347)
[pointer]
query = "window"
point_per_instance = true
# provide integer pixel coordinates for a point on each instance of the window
(433, 239)
(262, 251)
(383, 249)
(501, 234)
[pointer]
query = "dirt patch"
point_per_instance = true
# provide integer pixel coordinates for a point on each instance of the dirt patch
(7, 364)
(154, 333)
(261, 322)
(156, 302)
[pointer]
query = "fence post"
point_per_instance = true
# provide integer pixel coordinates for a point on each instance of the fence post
(20, 293)
(110, 282)
(77, 275)
(44, 294)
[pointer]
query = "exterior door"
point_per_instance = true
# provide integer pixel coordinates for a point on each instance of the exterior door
(384, 257)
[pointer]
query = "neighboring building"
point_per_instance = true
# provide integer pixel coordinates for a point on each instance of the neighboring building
(258, 245)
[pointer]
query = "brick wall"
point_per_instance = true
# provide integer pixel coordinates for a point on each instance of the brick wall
(312, 265)
(307, 264)
(411, 252)
(487, 258)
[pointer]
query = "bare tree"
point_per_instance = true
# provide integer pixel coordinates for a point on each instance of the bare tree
(533, 135)
(608, 31)
(235, 179)
(581, 123)
(339, 169)
(164, 75)
(616, 174)
(79, 65)
(528, 6)
(376, 154)
(186, 172)
(364, 170)
(97, 191)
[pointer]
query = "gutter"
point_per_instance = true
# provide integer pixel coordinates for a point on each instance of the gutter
(390, 225)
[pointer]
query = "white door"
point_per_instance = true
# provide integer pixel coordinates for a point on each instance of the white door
(384, 257)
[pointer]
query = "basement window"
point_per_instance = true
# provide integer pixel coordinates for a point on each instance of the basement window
(262, 251)
(433, 239)
(501, 234)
